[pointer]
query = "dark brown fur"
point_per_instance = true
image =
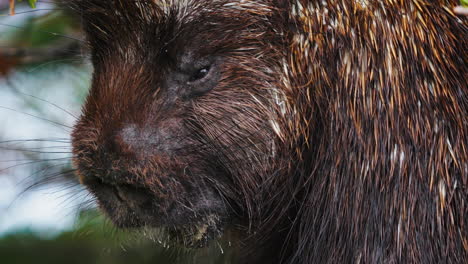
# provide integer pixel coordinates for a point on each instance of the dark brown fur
(326, 131)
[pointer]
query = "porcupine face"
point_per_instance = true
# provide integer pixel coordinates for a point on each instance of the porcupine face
(179, 127)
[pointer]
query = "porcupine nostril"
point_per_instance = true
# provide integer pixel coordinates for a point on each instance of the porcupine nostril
(135, 197)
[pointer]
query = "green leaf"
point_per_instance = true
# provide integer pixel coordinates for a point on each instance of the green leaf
(32, 3)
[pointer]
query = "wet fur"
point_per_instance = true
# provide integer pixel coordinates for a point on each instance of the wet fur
(337, 132)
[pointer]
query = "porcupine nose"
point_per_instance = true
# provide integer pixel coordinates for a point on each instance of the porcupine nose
(160, 139)
(128, 149)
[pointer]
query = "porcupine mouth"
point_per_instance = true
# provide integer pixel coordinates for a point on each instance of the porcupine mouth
(132, 207)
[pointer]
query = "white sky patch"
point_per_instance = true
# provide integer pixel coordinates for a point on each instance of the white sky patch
(53, 208)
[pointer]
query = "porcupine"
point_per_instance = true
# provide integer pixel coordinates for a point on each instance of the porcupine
(322, 131)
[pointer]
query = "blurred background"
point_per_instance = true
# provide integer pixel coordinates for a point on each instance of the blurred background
(45, 215)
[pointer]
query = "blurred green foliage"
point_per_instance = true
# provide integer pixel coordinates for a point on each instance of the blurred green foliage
(46, 36)
(95, 241)
(44, 30)
(32, 3)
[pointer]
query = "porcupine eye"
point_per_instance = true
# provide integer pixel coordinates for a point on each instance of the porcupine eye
(200, 74)
(202, 78)
(195, 76)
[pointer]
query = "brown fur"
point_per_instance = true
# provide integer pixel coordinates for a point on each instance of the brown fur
(337, 131)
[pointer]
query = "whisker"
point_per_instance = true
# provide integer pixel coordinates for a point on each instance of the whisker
(70, 202)
(48, 180)
(29, 163)
(35, 151)
(20, 160)
(52, 62)
(65, 187)
(40, 118)
(52, 147)
(41, 174)
(43, 31)
(89, 203)
(32, 11)
(55, 140)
